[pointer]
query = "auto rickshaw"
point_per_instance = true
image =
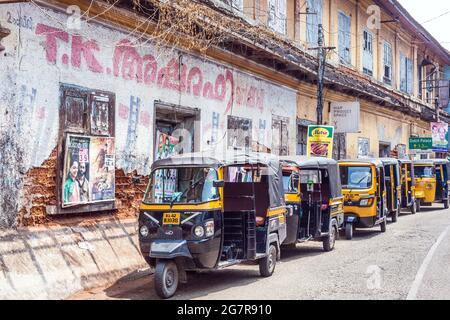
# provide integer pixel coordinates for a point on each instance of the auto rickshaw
(312, 187)
(432, 181)
(393, 187)
(208, 212)
(363, 186)
(407, 179)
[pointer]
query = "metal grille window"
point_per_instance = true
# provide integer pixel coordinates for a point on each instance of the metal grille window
(344, 38)
(235, 4)
(406, 74)
(367, 53)
(387, 63)
(313, 20)
(302, 139)
(277, 15)
(280, 143)
(239, 131)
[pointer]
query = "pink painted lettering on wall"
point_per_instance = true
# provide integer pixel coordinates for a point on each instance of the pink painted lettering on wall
(130, 65)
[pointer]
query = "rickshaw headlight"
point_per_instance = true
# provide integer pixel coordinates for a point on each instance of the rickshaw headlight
(366, 202)
(199, 231)
(429, 186)
(209, 228)
(143, 231)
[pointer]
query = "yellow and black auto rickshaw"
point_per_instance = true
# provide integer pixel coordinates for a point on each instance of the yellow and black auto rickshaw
(206, 212)
(432, 181)
(393, 187)
(407, 180)
(312, 188)
(363, 186)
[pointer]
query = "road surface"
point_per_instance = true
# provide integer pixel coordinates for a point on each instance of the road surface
(410, 261)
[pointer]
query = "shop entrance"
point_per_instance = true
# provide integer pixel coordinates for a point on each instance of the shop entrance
(384, 149)
(176, 130)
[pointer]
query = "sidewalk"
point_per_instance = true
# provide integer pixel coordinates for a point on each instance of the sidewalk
(55, 262)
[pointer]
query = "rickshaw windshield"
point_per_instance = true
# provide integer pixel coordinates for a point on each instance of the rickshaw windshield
(356, 177)
(182, 185)
(424, 171)
(290, 182)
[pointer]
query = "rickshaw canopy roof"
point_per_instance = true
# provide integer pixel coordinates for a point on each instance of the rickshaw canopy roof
(319, 163)
(375, 162)
(393, 161)
(431, 161)
(232, 158)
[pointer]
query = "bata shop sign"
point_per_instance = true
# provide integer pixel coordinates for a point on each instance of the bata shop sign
(344, 116)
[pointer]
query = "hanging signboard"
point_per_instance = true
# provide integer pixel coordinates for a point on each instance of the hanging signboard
(89, 170)
(320, 141)
(344, 116)
(439, 136)
(420, 145)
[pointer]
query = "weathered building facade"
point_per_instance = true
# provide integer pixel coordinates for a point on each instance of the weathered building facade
(108, 80)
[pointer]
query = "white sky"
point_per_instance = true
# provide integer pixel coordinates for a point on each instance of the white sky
(423, 10)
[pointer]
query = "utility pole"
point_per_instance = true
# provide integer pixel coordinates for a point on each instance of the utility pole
(321, 57)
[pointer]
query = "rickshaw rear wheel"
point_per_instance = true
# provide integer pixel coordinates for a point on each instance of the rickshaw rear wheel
(417, 205)
(383, 225)
(395, 214)
(267, 264)
(413, 207)
(349, 231)
(166, 278)
(330, 240)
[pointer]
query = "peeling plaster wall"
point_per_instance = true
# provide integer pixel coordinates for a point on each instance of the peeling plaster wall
(42, 53)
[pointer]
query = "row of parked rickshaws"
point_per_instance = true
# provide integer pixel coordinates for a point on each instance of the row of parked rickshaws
(206, 212)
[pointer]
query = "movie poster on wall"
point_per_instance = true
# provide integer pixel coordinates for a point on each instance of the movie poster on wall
(439, 134)
(165, 180)
(89, 170)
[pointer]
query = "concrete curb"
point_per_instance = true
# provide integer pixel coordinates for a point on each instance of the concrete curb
(55, 262)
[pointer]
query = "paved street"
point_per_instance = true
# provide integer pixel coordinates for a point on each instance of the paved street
(410, 260)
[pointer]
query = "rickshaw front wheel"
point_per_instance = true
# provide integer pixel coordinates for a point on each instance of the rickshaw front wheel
(383, 225)
(349, 231)
(446, 204)
(330, 240)
(395, 214)
(267, 264)
(166, 278)
(417, 205)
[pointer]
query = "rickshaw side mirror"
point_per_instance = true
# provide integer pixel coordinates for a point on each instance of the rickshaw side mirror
(136, 179)
(218, 183)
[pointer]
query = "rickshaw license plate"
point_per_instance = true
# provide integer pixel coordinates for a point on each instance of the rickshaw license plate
(171, 218)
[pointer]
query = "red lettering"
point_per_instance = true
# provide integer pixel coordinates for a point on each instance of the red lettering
(229, 78)
(51, 35)
(85, 48)
(220, 88)
(208, 90)
(123, 111)
(150, 69)
(196, 87)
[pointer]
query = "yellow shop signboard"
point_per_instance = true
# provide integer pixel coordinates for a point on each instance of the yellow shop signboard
(320, 141)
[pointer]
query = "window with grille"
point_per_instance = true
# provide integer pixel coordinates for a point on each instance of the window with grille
(302, 139)
(235, 4)
(406, 74)
(277, 15)
(344, 38)
(313, 20)
(280, 143)
(387, 63)
(367, 53)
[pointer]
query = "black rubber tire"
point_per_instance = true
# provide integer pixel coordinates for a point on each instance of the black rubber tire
(413, 207)
(330, 240)
(383, 225)
(166, 278)
(418, 206)
(268, 263)
(395, 214)
(446, 204)
(349, 231)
